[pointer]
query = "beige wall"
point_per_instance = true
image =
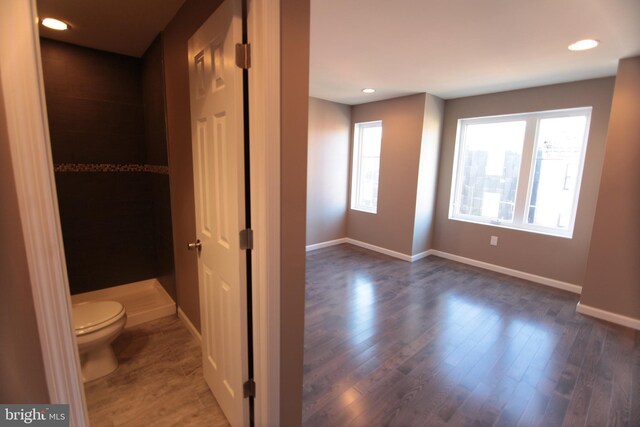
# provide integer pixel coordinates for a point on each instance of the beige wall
(428, 174)
(294, 92)
(392, 227)
(613, 272)
(188, 19)
(408, 172)
(23, 376)
(328, 170)
(553, 257)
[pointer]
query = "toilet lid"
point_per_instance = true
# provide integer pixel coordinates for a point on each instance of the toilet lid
(94, 313)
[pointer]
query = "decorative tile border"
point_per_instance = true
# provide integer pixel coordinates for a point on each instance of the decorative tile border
(110, 167)
(159, 169)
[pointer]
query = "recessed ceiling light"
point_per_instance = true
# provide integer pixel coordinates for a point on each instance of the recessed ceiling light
(368, 90)
(55, 24)
(583, 44)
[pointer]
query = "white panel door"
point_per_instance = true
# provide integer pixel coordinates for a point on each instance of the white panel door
(218, 159)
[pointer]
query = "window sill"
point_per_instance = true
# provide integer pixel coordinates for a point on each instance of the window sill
(516, 228)
(373, 212)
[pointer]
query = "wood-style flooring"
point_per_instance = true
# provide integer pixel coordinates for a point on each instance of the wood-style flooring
(158, 383)
(435, 342)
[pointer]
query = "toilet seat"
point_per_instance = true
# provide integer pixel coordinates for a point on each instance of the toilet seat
(92, 316)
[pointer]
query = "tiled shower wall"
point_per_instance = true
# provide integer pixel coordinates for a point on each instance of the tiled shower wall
(155, 132)
(106, 119)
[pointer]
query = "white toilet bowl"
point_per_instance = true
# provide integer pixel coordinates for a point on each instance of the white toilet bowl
(97, 324)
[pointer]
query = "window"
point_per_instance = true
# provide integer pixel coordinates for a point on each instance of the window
(367, 140)
(520, 171)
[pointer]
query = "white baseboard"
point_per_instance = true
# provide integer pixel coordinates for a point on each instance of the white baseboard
(421, 255)
(570, 287)
(379, 249)
(369, 246)
(399, 255)
(619, 319)
(182, 316)
(326, 244)
(511, 272)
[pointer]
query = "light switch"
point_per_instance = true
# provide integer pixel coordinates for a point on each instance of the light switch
(494, 241)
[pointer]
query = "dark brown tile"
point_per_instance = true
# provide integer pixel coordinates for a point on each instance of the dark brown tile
(116, 226)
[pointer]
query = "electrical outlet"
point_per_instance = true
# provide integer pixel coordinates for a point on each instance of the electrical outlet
(494, 241)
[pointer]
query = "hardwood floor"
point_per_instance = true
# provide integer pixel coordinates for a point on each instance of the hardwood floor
(436, 342)
(159, 381)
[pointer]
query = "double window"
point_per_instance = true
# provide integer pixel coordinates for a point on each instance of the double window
(367, 140)
(520, 171)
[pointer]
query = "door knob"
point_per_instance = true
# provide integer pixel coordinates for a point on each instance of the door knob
(195, 246)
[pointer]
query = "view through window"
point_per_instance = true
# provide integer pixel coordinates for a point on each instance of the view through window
(367, 141)
(520, 171)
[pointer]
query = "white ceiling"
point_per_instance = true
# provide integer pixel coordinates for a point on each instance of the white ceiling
(449, 48)
(122, 26)
(455, 48)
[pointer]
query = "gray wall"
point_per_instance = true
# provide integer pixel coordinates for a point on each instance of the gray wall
(392, 226)
(328, 170)
(553, 257)
(613, 271)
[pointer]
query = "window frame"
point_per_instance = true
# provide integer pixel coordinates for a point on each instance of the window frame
(356, 165)
(526, 173)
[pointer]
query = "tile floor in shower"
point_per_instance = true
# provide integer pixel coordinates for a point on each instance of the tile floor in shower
(159, 381)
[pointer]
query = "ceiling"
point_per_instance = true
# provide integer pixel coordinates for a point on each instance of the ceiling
(457, 48)
(122, 26)
(449, 48)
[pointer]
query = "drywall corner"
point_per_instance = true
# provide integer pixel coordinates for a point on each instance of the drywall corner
(327, 170)
(428, 174)
(294, 104)
(392, 226)
(612, 279)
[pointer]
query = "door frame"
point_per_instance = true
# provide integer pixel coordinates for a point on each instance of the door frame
(263, 25)
(23, 94)
(28, 128)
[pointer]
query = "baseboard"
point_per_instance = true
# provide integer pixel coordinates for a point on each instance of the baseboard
(389, 252)
(192, 329)
(619, 319)
(511, 272)
(570, 287)
(421, 255)
(379, 249)
(326, 244)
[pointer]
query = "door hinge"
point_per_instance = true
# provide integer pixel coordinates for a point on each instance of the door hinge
(246, 239)
(243, 55)
(249, 389)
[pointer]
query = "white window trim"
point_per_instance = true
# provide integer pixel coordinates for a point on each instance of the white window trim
(527, 169)
(356, 166)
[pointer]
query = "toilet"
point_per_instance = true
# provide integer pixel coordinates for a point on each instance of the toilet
(97, 324)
